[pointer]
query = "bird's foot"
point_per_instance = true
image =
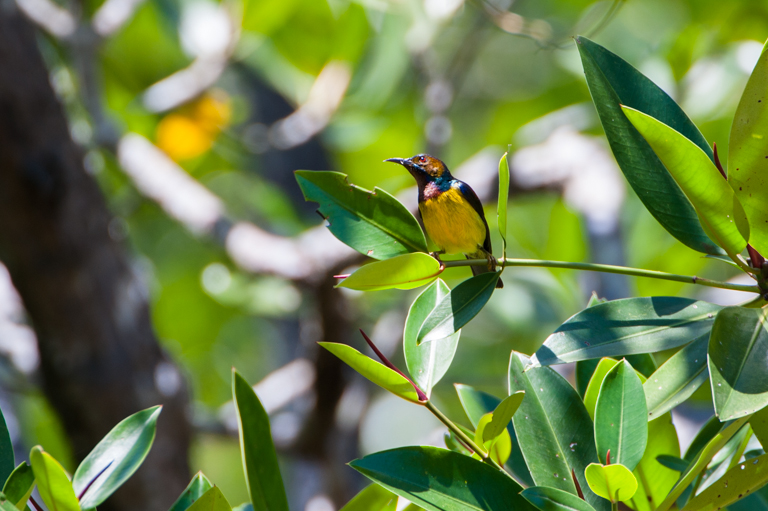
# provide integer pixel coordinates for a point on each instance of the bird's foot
(436, 255)
(491, 261)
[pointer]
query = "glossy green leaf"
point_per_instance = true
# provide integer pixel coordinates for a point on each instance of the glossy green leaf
(655, 480)
(19, 485)
(621, 425)
(7, 460)
(719, 210)
(262, 473)
(677, 378)
(501, 210)
(498, 447)
(552, 499)
(441, 480)
(642, 362)
(673, 462)
(476, 404)
(613, 82)
(52, 482)
(747, 153)
(452, 442)
(6, 504)
(373, 223)
(738, 349)
(502, 415)
(553, 428)
(115, 458)
(593, 389)
(427, 362)
(405, 271)
(211, 500)
(372, 498)
(737, 482)
(458, 307)
(759, 423)
(613, 482)
(378, 373)
(628, 326)
(194, 490)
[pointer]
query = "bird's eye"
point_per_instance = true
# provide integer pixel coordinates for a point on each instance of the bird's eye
(422, 159)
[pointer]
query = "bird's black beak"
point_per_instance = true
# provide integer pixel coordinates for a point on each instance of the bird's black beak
(401, 161)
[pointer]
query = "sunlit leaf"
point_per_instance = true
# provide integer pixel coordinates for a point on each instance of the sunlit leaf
(373, 223)
(501, 210)
(621, 425)
(748, 153)
(194, 490)
(115, 458)
(497, 447)
(593, 389)
(211, 500)
(262, 473)
(613, 82)
(19, 485)
(52, 482)
(427, 362)
(372, 498)
(628, 326)
(738, 349)
(552, 499)
(677, 378)
(737, 482)
(502, 415)
(673, 462)
(428, 476)
(553, 428)
(759, 423)
(655, 480)
(406, 271)
(613, 482)
(378, 373)
(719, 210)
(456, 309)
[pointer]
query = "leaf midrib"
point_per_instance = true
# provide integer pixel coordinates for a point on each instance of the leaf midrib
(752, 341)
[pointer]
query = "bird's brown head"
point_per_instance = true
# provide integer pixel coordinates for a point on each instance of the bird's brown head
(424, 167)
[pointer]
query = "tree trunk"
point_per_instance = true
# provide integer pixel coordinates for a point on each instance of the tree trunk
(100, 360)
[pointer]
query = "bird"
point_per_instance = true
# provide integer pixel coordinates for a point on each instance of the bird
(451, 212)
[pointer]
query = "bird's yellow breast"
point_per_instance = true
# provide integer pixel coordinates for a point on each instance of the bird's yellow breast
(452, 223)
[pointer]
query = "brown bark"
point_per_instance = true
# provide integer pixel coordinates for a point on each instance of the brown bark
(99, 356)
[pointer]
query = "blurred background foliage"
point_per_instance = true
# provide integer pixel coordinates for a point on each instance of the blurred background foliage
(277, 85)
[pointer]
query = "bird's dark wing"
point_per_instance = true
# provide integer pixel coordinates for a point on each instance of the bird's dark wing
(473, 200)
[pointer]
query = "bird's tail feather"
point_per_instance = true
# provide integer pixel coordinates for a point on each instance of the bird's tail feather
(477, 270)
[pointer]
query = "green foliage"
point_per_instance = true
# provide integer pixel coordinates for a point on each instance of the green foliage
(437, 479)
(372, 498)
(7, 460)
(19, 485)
(612, 482)
(211, 500)
(655, 480)
(497, 446)
(373, 223)
(501, 210)
(552, 499)
(621, 426)
(115, 458)
(740, 480)
(52, 482)
(503, 414)
(406, 271)
(194, 490)
(262, 474)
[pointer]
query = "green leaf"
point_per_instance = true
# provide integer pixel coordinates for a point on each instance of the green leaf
(593, 389)
(621, 423)
(738, 349)
(552, 499)
(673, 462)
(628, 326)
(655, 480)
(379, 374)
(747, 152)
(6, 504)
(452, 442)
(719, 210)
(441, 480)
(759, 423)
(243, 507)
(642, 362)
(501, 210)
(373, 223)
(613, 82)
(194, 490)
(372, 498)
(476, 404)
(707, 432)
(498, 447)
(19, 485)
(427, 362)
(677, 378)
(553, 428)
(211, 500)
(115, 458)
(52, 482)
(7, 460)
(262, 473)
(502, 415)
(742, 479)
(405, 271)
(458, 307)
(613, 482)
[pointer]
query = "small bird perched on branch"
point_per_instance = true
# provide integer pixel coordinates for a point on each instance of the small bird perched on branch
(451, 212)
